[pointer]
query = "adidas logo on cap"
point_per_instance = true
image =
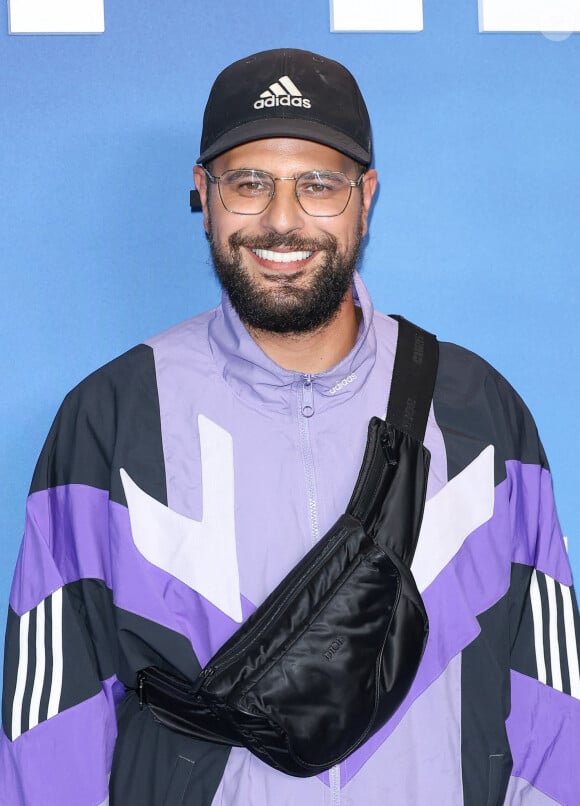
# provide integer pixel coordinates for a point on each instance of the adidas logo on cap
(283, 92)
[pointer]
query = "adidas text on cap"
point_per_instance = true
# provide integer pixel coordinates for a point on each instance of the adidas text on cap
(286, 93)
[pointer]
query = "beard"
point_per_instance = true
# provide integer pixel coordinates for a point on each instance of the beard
(286, 303)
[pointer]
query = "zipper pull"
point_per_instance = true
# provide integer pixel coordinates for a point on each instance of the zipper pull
(204, 675)
(307, 396)
(387, 440)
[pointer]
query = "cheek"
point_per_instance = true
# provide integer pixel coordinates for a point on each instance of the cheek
(215, 221)
(351, 231)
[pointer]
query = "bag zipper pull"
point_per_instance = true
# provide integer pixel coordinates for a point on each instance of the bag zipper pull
(204, 675)
(387, 444)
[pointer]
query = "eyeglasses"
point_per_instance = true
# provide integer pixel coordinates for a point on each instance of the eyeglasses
(245, 191)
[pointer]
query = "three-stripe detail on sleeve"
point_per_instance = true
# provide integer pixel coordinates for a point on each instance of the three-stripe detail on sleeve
(555, 633)
(39, 676)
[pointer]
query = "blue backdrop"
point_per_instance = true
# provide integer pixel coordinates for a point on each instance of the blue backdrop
(475, 233)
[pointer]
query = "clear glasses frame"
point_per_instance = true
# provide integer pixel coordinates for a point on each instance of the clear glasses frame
(266, 197)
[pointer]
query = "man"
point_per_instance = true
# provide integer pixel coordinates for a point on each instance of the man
(180, 483)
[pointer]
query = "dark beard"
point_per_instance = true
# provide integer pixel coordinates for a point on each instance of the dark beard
(288, 306)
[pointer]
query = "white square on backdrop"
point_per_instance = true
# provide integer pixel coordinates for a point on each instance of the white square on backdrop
(545, 16)
(376, 15)
(56, 16)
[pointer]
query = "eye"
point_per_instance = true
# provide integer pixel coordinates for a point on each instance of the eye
(314, 189)
(249, 187)
(248, 183)
(318, 184)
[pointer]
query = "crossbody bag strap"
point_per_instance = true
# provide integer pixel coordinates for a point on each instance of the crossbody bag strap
(393, 474)
(413, 379)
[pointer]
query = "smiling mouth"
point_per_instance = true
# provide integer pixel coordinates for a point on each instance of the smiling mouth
(281, 257)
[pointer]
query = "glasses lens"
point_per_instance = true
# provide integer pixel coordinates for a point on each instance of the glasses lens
(323, 193)
(246, 191)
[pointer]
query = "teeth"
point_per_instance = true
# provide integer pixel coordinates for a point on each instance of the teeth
(281, 257)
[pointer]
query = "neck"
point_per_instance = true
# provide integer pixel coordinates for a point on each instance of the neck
(317, 351)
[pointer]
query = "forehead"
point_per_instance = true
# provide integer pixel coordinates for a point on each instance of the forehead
(282, 156)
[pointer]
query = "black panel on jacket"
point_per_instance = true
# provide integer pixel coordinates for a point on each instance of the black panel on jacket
(100, 428)
(154, 766)
(521, 622)
(485, 684)
(145, 643)
(476, 407)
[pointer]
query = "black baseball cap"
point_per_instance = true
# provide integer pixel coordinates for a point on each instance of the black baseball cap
(286, 93)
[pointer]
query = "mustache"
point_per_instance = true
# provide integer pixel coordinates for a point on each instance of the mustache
(274, 240)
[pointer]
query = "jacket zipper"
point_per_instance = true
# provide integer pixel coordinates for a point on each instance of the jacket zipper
(306, 403)
(307, 410)
(334, 781)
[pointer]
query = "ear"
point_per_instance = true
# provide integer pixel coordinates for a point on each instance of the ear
(201, 185)
(369, 187)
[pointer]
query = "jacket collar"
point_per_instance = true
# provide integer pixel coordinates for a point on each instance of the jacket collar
(259, 381)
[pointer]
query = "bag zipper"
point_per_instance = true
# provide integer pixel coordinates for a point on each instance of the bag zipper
(381, 438)
(230, 656)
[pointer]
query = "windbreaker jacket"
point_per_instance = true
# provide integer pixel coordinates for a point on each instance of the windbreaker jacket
(177, 487)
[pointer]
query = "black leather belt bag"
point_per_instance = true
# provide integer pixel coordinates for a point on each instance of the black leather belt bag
(329, 656)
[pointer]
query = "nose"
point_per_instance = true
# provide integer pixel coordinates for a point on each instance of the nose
(284, 215)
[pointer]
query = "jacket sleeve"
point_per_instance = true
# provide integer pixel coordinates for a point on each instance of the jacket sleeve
(71, 636)
(544, 722)
(59, 691)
